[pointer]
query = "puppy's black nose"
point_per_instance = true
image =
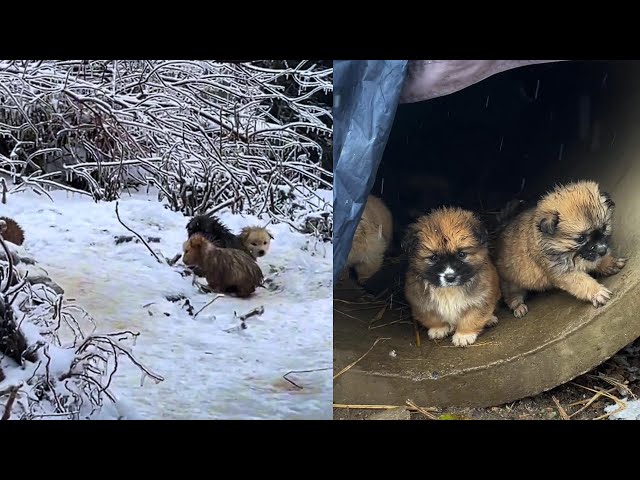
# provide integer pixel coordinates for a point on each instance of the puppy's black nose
(601, 250)
(261, 252)
(449, 277)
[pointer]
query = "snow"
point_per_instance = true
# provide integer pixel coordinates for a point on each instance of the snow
(632, 412)
(209, 373)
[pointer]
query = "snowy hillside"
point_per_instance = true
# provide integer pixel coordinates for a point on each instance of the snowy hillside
(211, 367)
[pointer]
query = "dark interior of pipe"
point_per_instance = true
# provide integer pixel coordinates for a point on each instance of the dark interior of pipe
(513, 135)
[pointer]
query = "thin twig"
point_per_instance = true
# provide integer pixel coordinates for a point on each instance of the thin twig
(604, 393)
(562, 411)
(4, 190)
(137, 235)
(173, 260)
(348, 367)
(624, 390)
(378, 316)
(252, 313)
(423, 411)
(3, 226)
(381, 407)
(9, 404)
(302, 371)
(214, 299)
(588, 402)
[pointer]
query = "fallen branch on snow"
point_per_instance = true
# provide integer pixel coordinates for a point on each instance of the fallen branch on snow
(285, 376)
(243, 326)
(214, 299)
(137, 235)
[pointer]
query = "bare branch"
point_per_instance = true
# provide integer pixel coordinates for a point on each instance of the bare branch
(214, 299)
(286, 375)
(3, 228)
(137, 235)
(9, 405)
(208, 135)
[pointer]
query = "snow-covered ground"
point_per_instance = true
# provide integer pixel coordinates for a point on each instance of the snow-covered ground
(631, 412)
(209, 373)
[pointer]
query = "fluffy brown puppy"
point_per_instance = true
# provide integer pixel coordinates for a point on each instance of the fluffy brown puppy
(556, 244)
(371, 240)
(227, 270)
(256, 240)
(12, 231)
(451, 284)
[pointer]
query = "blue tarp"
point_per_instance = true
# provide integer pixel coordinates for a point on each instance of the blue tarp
(365, 98)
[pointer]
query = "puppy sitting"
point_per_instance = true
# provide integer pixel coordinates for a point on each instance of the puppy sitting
(451, 284)
(227, 270)
(256, 240)
(556, 244)
(371, 240)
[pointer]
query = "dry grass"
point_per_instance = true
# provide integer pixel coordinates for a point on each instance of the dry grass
(410, 407)
(421, 410)
(348, 367)
(619, 386)
(606, 393)
(562, 411)
(378, 316)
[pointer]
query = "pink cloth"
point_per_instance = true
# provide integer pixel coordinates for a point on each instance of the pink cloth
(428, 79)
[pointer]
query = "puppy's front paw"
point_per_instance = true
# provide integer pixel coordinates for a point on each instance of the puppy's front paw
(613, 266)
(618, 265)
(493, 321)
(601, 297)
(464, 339)
(439, 332)
(521, 310)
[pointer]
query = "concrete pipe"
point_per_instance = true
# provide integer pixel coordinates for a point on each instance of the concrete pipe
(513, 135)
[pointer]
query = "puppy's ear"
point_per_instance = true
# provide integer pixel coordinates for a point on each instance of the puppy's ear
(244, 233)
(410, 240)
(481, 234)
(549, 223)
(606, 200)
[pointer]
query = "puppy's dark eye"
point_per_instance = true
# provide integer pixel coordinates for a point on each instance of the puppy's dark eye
(433, 257)
(264, 243)
(462, 254)
(581, 238)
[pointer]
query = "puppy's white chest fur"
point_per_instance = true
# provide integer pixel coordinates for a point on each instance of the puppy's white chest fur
(450, 303)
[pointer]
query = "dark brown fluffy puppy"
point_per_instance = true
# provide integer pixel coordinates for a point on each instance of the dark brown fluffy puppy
(556, 244)
(227, 270)
(451, 284)
(12, 232)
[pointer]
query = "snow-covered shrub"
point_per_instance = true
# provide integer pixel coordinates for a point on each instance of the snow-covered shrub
(209, 135)
(49, 367)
